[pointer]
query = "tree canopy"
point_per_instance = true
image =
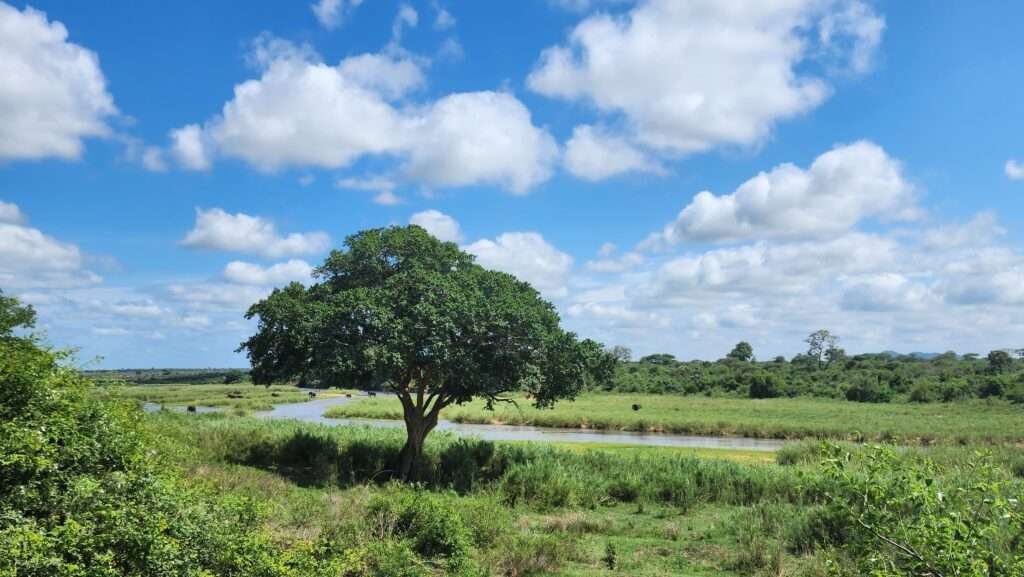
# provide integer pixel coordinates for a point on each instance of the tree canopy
(403, 310)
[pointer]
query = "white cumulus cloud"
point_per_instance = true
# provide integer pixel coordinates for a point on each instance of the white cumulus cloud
(302, 112)
(216, 229)
(527, 256)
(692, 75)
(53, 94)
(438, 224)
(278, 274)
(595, 154)
(841, 188)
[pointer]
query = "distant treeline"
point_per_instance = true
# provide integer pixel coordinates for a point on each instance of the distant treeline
(170, 376)
(827, 371)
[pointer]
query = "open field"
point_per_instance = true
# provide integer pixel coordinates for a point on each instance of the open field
(540, 510)
(990, 422)
(253, 398)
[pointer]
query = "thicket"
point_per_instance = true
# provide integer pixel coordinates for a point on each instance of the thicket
(869, 378)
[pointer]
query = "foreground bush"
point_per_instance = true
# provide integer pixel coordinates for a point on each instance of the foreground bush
(904, 519)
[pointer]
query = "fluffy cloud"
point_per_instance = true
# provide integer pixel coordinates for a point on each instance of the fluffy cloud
(278, 274)
(480, 137)
(391, 77)
(303, 112)
(841, 188)
(692, 75)
(618, 315)
(1014, 170)
(218, 230)
(216, 297)
(54, 93)
(141, 309)
(383, 186)
(773, 268)
(594, 154)
(438, 224)
(886, 292)
(188, 148)
(527, 256)
(330, 13)
(10, 213)
(30, 258)
(623, 263)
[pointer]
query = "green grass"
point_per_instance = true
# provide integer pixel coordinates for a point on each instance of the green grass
(984, 422)
(539, 509)
(253, 398)
(735, 455)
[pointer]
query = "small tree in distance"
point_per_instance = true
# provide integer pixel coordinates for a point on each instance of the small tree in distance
(742, 352)
(822, 345)
(400, 308)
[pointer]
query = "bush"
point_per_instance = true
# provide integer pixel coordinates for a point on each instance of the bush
(869, 391)
(903, 519)
(764, 386)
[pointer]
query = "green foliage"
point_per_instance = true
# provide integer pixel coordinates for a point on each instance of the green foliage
(904, 519)
(401, 309)
(742, 352)
(999, 362)
(14, 315)
(764, 385)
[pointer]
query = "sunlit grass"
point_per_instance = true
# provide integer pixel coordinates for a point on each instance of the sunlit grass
(992, 422)
(250, 397)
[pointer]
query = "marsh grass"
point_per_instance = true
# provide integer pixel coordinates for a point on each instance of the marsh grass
(251, 397)
(531, 509)
(968, 422)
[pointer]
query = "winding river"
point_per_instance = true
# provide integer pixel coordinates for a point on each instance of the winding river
(313, 412)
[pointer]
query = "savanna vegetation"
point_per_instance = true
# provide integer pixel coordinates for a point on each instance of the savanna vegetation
(90, 485)
(235, 398)
(401, 308)
(978, 421)
(826, 371)
(170, 376)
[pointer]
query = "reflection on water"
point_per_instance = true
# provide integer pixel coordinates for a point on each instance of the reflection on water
(313, 412)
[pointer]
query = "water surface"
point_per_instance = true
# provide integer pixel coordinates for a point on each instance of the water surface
(313, 412)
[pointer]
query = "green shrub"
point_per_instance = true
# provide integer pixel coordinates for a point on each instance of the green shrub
(902, 518)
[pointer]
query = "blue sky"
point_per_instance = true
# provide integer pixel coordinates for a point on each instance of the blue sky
(674, 175)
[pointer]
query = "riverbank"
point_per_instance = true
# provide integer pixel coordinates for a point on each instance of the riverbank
(236, 398)
(975, 422)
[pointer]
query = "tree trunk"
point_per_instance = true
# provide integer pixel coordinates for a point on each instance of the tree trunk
(417, 426)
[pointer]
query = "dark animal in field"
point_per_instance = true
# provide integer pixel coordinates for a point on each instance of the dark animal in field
(636, 407)
(191, 408)
(348, 395)
(312, 395)
(371, 394)
(235, 395)
(275, 394)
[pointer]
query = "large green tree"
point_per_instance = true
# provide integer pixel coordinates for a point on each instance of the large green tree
(416, 315)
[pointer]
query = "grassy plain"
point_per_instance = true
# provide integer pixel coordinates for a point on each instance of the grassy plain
(534, 509)
(987, 422)
(250, 397)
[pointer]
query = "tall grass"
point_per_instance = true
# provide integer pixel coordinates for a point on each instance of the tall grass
(990, 422)
(240, 396)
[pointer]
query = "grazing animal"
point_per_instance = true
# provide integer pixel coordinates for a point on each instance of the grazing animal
(312, 395)
(348, 395)
(371, 394)
(191, 408)
(275, 394)
(636, 407)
